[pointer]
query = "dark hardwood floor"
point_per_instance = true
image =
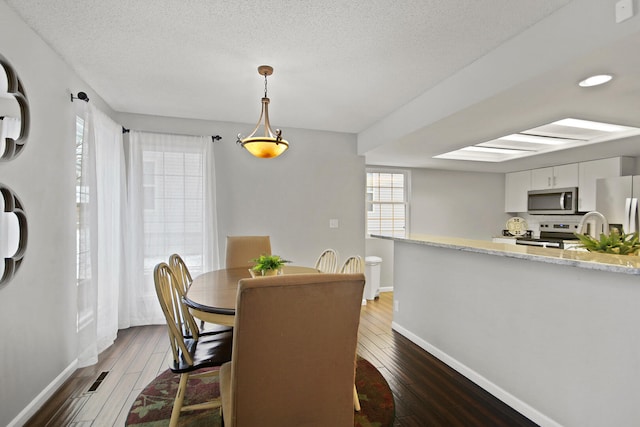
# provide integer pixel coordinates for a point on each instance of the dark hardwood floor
(426, 391)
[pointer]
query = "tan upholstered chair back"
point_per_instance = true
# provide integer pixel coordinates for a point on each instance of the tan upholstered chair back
(242, 249)
(294, 351)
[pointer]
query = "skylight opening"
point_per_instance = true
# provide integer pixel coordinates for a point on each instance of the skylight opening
(554, 136)
(534, 139)
(587, 124)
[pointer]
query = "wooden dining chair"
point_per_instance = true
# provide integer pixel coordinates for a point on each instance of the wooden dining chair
(184, 278)
(327, 261)
(353, 264)
(242, 249)
(181, 271)
(294, 351)
(191, 352)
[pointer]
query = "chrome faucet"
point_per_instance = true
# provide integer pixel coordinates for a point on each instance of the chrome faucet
(598, 226)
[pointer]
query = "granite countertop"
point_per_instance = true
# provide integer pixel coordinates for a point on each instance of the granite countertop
(627, 264)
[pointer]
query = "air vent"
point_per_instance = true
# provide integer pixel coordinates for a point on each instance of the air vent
(98, 381)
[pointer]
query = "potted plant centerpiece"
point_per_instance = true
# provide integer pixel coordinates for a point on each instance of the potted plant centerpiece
(267, 265)
(616, 242)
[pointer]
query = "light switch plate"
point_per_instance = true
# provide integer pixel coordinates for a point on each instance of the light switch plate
(624, 10)
(333, 223)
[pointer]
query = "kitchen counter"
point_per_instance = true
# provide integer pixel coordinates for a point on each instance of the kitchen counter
(551, 332)
(590, 260)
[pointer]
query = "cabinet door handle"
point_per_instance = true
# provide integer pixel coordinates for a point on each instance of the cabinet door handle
(548, 181)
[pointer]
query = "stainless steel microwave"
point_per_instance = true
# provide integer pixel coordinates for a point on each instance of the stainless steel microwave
(554, 201)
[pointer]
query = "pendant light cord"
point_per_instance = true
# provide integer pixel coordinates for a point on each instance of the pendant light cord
(265, 85)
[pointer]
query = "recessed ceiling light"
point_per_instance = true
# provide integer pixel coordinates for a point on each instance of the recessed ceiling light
(595, 80)
(558, 135)
(489, 149)
(534, 139)
(587, 124)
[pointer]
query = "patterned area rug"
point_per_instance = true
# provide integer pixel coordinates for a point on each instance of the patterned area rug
(152, 408)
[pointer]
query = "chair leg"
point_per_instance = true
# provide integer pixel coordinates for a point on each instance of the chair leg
(177, 404)
(356, 401)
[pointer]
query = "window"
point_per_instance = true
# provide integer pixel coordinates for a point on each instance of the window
(387, 203)
(173, 201)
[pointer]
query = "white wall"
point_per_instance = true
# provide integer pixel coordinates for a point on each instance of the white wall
(457, 204)
(38, 307)
(290, 198)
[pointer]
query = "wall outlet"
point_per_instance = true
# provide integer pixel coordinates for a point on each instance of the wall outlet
(396, 306)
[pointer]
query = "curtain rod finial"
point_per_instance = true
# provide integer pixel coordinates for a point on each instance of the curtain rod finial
(82, 96)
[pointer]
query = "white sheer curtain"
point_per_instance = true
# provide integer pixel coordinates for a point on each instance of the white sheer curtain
(172, 209)
(101, 196)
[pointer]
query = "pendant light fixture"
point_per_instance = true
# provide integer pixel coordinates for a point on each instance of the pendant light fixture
(271, 144)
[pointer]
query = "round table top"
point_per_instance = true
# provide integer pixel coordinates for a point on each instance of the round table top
(216, 291)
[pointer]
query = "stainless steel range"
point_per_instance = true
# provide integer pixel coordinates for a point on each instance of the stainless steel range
(553, 235)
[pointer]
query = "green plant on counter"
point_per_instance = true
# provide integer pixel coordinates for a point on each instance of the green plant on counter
(615, 243)
(268, 262)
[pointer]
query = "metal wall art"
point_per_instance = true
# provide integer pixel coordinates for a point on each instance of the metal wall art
(14, 130)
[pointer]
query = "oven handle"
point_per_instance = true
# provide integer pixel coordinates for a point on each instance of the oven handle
(538, 243)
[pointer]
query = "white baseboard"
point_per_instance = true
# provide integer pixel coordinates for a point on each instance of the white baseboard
(385, 289)
(44, 395)
(520, 406)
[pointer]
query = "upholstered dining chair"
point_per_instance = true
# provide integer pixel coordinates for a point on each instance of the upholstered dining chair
(353, 264)
(294, 349)
(183, 275)
(242, 249)
(327, 261)
(191, 352)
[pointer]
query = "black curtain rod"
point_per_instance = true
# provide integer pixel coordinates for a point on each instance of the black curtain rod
(214, 138)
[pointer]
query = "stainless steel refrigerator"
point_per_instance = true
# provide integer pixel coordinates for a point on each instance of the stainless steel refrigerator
(617, 199)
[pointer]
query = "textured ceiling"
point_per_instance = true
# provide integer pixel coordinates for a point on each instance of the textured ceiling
(339, 65)
(413, 78)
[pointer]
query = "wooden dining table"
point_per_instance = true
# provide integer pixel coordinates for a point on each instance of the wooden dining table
(212, 295)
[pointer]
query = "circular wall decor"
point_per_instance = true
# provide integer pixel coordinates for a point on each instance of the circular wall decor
(14, 112)
(517, 226)
(13, 234)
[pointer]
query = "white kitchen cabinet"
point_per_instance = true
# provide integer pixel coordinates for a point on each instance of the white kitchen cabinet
(589, 172)
(555, 177)
(516, 185)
